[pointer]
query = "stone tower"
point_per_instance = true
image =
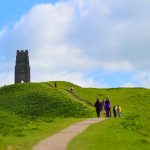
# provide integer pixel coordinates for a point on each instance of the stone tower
(22, 68)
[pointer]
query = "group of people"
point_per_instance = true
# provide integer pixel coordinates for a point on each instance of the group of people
(105, 106)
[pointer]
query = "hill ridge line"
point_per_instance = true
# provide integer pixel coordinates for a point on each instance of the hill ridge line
(74, 94)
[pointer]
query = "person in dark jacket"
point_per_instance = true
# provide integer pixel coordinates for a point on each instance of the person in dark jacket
(107, 108)
(98, 107)
(55, 84)
(115, 111)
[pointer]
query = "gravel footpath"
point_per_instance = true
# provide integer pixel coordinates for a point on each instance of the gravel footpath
(60, 140)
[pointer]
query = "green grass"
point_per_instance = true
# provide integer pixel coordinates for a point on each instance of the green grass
(63, 85)
(110, 135)
(132, 131)
(36, 100)
(24, 137)
(31, 112)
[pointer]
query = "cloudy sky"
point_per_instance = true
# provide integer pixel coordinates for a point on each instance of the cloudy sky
(93, 43)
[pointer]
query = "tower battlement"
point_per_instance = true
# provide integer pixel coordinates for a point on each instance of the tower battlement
(22, 67)
(22, 51)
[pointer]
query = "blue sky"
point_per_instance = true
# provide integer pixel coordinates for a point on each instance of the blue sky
(93, 43)
(11, 10)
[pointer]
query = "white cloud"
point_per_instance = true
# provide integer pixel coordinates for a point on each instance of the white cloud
(78, 35)
(115, 66)
(6, 78)
(74, 77)
(128, 84)
(143, 78)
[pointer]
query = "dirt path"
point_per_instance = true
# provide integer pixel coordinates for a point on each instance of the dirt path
(60, 140)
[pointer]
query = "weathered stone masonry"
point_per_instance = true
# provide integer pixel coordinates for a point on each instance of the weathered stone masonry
(22, 68)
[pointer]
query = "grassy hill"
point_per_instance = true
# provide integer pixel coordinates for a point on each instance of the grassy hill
(30, 112)
(132, 131)
(38, 99)
(26, 109)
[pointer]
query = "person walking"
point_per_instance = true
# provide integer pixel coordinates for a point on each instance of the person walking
(115, 111)
(107, 108)
(98, 107)
(55, 84)
(119, 111)
(71, 89)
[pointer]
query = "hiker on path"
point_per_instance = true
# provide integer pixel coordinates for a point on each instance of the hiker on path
(98, 107)
(55, 84)
(107, 107)
(119, 111)
(71, 89)
(115, 111)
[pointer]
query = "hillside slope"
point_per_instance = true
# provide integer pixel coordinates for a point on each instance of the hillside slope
(27, 106)
(132, 131)
(26, 109)
(37, 99)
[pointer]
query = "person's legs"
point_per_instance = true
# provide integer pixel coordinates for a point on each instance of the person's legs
(98, 113)
(115, 114)
(107, 112)
(119, 114)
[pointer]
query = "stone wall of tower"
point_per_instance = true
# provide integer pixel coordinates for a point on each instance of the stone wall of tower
(22, 68)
